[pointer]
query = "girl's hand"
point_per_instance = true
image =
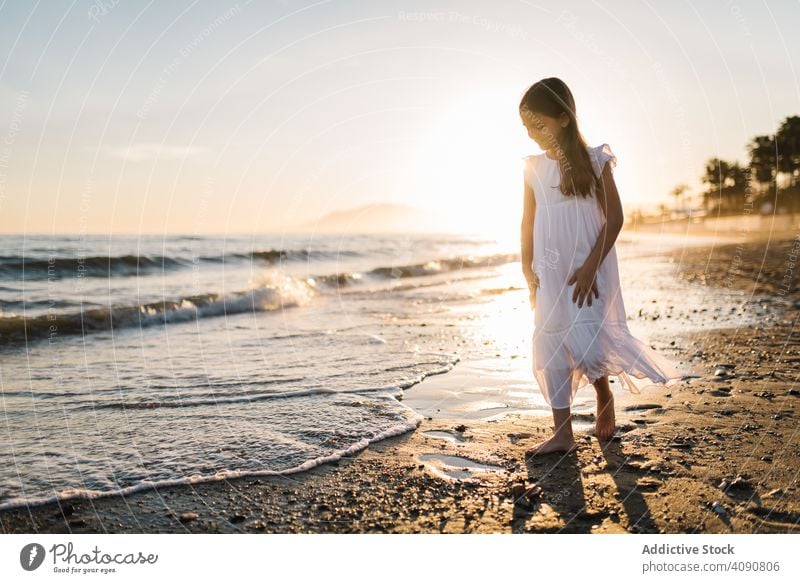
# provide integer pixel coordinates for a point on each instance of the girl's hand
(585, 281)
(533, 285)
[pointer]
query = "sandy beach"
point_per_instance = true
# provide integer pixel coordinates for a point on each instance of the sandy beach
(719, 452)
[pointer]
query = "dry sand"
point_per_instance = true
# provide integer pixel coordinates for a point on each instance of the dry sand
(717, 453)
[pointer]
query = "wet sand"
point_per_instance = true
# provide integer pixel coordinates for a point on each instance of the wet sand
(719, 452)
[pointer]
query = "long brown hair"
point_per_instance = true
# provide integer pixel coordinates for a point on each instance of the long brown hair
(552, 97)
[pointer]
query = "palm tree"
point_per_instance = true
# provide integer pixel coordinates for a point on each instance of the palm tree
(788, 145)
(678, 193)
(763, 159)
(716, 173)
(741, 191)
(727, 185)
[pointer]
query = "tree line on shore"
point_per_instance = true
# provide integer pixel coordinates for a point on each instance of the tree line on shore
(769, 181)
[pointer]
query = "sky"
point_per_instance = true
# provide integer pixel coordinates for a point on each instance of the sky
(120, 116)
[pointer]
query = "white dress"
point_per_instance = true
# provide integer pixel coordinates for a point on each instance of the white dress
(572, 346)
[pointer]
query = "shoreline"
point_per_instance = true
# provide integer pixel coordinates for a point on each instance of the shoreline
(661, 473)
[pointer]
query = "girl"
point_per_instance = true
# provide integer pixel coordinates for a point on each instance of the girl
(571, 218)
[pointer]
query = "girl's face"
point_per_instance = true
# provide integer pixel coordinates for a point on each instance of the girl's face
(543, 129)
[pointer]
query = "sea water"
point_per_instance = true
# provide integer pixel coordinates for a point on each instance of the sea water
(129, 362)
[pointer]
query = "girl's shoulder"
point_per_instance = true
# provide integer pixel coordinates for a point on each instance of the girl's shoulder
(529, 161)
(530, 164)
(601, 154)
(532, 159)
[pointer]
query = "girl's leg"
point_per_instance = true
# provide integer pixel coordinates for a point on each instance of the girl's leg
(562, 439)
(606, 423)
(559, 384)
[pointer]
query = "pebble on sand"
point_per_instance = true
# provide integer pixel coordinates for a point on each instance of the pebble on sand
(718, 508)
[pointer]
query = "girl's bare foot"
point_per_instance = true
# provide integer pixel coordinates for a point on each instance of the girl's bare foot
(606, 423)
(555, 443)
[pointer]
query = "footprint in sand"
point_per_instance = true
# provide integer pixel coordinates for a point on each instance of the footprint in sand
(645, 409)
(453, 467)
(516, 437)
(450, 436)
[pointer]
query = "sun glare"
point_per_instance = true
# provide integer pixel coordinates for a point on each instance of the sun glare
(469, 165)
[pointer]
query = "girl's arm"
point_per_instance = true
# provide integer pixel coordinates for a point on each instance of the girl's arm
(526, 234)
(608, 199)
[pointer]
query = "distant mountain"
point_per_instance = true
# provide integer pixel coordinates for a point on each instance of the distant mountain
(376, 218)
